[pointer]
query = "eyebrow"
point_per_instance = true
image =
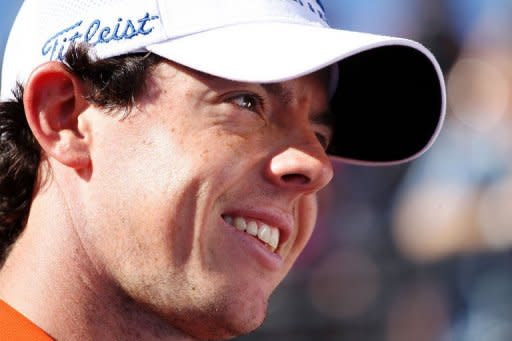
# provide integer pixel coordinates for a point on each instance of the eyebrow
(277, 89)
(324, 118)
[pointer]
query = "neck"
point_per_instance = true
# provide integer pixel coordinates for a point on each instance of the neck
(49, 278)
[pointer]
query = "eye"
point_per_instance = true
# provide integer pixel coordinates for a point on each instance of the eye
(248, 101)
(323, 139)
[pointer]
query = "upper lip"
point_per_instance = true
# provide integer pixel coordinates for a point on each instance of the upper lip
(273, 217)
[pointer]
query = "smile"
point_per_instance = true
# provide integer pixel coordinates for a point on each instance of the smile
(269, 235)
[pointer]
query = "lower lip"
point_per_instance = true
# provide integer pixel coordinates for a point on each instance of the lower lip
(254, 248)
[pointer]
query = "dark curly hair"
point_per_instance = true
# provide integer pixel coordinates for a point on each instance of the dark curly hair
(111, 84)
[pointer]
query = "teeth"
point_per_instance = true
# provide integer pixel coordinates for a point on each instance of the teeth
(252, 228)
(267, 234)
(274, 238)
(264, 233)
(240, 224)
(228, 220)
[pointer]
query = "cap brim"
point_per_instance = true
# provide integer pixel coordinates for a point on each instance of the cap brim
(390, 101)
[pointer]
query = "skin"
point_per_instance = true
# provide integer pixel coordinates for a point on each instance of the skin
(131, 210)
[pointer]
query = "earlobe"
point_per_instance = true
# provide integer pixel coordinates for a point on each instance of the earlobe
(53, 101)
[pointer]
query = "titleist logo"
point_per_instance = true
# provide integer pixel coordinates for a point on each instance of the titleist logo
(97, 32)
(101, 32)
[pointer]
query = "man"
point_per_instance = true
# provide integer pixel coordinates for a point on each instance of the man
(161, 159)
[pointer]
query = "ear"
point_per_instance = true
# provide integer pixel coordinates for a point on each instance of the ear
(53, 101)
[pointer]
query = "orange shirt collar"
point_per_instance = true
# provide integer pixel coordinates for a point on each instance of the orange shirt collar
(16, 327)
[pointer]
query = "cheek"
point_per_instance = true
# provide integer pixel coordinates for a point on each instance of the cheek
(129, 194)
(151, 179)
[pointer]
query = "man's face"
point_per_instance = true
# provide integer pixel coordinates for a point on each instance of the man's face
(198, 157)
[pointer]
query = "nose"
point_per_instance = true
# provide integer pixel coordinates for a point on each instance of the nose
(305, 169)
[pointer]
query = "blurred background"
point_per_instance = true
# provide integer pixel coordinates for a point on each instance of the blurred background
(416, 252)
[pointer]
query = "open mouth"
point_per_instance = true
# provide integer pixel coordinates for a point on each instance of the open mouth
(267, 234)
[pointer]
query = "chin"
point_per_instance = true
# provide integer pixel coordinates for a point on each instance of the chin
(217, 330)
(226, 321)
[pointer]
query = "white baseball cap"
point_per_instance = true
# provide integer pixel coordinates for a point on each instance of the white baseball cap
(389, 100)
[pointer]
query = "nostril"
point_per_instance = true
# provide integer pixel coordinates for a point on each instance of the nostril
(299, 179)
